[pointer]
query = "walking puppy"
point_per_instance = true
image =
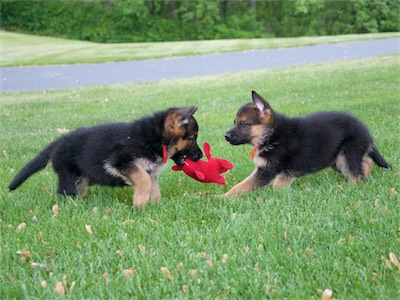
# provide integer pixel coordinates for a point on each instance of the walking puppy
(293, 147)
(119, 154)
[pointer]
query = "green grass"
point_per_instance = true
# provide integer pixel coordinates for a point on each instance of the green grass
(22, 50)
(322, 233)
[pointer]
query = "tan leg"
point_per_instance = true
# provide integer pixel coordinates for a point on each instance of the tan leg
(141, 181)
(366, 165)
(282, 180)
(243, 187)
(155, 193)
(82, 186)
(341, 164)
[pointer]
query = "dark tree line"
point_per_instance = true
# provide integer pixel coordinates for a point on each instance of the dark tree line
(172, 20)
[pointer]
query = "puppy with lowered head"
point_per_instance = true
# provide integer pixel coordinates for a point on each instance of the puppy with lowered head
(119, 154)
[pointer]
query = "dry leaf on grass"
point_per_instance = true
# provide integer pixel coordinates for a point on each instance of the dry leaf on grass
(185, 288)
(106, 279)
(141, 247)
(65, 281)
(59, 288)
(41, 238)
(268, 276)
(224, 258)
(387, 263)
(327, 295)
(72, 286)
(285, 235)
(341, 241)
(21, 226)
(256, 267)
(5, 154)
(62, 130)
(180, 267)
(394, 260)
(128, 273)
(202, 255)
(192, 273)
(24, 255)
(88, 229)
(167, 272)
(55, 210)
(128, 222)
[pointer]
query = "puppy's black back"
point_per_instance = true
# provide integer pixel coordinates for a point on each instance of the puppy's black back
(311, 143)
(88, 149)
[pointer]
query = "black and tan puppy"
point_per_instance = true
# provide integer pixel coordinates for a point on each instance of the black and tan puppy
(293, 147)
(119, 154)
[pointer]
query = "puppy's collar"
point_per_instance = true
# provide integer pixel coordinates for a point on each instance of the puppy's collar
(165, 153)
(253, 152)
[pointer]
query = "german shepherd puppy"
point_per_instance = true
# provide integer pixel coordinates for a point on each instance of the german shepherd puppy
(119, 154)
(293, 147)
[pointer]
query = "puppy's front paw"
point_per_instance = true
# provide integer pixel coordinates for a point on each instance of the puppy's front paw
(232, 192)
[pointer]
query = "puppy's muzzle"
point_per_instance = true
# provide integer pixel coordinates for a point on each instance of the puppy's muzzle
(232, 137)
(229, 136)
(196, 156)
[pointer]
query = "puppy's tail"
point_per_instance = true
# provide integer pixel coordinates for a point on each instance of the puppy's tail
(37, 164)
(378, 158)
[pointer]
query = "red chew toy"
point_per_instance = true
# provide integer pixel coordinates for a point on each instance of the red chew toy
(206, 171)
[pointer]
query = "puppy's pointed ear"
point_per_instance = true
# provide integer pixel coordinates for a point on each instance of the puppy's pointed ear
(178, 119)
(185, 113)
(261, 104)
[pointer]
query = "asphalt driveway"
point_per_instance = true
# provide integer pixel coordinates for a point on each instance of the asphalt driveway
(39, 78)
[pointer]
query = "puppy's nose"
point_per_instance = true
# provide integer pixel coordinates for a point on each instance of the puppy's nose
(228, 135)
(198, 156)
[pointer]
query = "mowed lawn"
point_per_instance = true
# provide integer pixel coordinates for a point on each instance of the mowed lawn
(321, 233)
(22, 50)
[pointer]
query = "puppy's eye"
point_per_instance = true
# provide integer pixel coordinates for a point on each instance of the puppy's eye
(243, 124)
(192, 140)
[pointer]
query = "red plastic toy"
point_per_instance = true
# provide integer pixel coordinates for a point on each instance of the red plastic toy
(206, 171)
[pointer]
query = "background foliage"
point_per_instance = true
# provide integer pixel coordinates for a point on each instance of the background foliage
(172, 20)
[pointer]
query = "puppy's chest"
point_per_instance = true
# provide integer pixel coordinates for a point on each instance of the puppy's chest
(275, 159)
(151, 167)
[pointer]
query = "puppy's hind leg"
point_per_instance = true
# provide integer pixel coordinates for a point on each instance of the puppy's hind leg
(366, 165)
(353, 162)
(282, 180)
(82, 185)
(67, 182)
(142, 183)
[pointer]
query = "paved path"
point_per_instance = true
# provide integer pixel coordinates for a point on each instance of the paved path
(38, 78)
